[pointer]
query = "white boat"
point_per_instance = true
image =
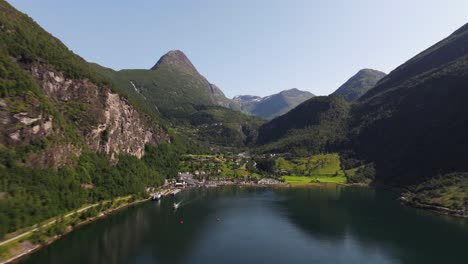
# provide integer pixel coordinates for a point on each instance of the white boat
(156, 197)
(175, 205)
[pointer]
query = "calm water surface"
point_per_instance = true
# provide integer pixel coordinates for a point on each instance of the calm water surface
(319, 225)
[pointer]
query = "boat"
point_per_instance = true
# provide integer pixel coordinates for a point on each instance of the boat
(175, 205)
(156, 197)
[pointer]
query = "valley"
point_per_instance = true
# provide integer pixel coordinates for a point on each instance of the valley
(80, 141)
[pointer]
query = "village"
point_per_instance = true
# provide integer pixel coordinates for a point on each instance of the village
(243, 169)
(208, 171)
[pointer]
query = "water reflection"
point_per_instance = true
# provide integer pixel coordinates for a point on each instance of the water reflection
(109, 240)
(375, 220)
(319, 225)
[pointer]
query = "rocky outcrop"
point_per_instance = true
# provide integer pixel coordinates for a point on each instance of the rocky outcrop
(122, 130)
(24, 126)
(103, 121)
(112, 125)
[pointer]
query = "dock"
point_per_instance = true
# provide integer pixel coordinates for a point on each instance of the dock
(175, 191)
(167, 192)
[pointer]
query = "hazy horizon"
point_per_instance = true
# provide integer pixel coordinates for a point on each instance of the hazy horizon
(252, 47)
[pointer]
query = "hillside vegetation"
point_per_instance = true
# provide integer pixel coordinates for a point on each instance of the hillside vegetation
(322, 168)
(359, 84)
(407, 130)
(65, 136)
(173, 87)
(174, 90)
(315, 126)
(412, 124)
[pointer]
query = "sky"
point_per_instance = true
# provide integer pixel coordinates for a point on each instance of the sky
(257, 47)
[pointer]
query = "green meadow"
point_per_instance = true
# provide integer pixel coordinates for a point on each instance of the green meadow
(323, 168)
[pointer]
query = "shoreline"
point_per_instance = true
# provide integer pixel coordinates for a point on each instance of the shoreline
(32, 248)
(403, 202)
(440, 210)
(17, 256)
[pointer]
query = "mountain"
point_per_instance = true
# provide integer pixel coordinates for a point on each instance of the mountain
(413, 123)
(177, 60)
(273, 105)
(64, 127)
(359, 84)
(172, 87)
(312, 127)
(409, 130)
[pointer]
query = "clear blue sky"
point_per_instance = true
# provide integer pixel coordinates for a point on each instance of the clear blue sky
(255, 47)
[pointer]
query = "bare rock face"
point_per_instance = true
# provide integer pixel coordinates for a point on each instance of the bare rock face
(104, 121)
(112, 124)
(23, 127)
(122, 130)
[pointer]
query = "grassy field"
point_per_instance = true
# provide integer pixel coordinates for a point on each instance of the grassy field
(449, 191)
(301, 180)
(323, 168)
(217, 166)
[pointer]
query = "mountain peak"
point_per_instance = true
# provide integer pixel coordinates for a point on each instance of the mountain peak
(245, 97)
(273, 105)
(176, 58)
(359, 84)
(368, 70)
(295, 92)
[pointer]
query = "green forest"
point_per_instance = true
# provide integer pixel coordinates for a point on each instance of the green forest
(31, 195)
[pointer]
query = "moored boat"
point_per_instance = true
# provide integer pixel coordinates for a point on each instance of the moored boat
(156, 197)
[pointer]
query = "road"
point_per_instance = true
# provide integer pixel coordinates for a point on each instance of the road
(47, 224)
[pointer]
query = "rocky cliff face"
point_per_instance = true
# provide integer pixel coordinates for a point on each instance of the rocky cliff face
(114, 126)
(105, 121)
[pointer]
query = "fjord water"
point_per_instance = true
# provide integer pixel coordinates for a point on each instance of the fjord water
(261, 225)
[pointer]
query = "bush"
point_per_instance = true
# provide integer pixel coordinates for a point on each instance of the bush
(364, 174)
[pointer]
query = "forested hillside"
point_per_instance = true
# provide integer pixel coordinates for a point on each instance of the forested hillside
(176, 91)
(172, 87)
(67, 136)
(315, 126)
(410, 127)
(413, 123)
(359, 84)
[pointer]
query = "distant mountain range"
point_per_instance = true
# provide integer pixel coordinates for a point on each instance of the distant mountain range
(411, 126)
(274, 105)
(278, 104)
(359, 84)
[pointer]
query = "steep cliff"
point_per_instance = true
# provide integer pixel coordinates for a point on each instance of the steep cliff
(52, 101)
(110, 124)
(67, 136)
